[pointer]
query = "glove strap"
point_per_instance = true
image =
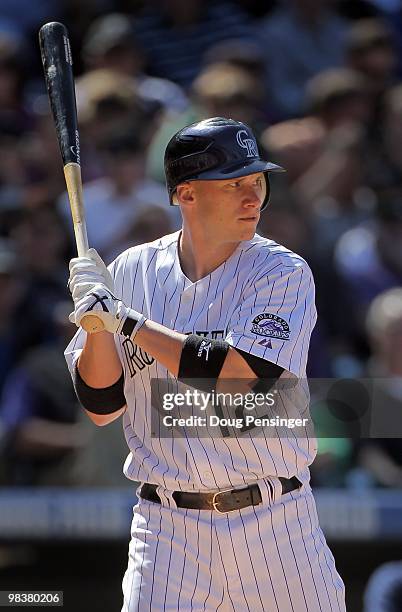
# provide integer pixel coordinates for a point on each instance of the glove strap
(132, 323)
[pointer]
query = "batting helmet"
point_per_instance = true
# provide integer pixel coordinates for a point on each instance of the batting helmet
(214, 149)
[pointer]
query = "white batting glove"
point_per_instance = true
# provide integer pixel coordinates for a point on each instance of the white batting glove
(86, 272)
(117, 318)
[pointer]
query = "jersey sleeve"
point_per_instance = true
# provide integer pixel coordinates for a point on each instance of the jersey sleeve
(275, 318)
(74, 349)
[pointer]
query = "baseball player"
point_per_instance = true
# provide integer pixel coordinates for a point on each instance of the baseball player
(225, 518)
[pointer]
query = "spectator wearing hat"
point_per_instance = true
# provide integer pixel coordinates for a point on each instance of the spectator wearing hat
(226, 90)
(248, 57)
(111, 44)
(107, 101)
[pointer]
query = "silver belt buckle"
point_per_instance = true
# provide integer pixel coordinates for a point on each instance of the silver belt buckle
(214, 502)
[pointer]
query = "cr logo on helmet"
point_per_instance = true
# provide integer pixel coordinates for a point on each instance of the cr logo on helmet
(247, 143)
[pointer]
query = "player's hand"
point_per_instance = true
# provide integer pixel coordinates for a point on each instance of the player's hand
(100, 301)
(86, 272)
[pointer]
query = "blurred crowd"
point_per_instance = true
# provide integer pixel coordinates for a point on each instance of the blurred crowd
(320, 82)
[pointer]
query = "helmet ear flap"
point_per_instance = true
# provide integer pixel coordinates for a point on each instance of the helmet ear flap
(267, 194)
(173, 201)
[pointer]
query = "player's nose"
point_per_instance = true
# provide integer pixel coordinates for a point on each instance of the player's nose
(251, 197)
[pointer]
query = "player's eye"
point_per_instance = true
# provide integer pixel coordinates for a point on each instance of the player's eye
(235, 184)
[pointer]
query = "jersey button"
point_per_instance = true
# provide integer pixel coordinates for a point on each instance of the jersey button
(208, 475)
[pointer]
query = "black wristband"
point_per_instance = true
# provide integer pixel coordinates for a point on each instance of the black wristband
(129, 325)
(99, 401)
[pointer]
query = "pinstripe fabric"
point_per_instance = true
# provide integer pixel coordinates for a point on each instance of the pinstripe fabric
(259, 277)
(272, 557)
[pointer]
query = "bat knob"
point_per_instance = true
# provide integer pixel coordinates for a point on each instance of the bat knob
(92, 324)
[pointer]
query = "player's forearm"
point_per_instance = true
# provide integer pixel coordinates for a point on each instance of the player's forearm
(163, 344)
(166, 345)
(99, 364)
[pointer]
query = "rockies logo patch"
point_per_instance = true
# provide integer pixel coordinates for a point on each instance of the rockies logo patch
(270, 326)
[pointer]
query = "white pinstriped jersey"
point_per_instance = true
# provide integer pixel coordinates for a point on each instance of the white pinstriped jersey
(260, 300)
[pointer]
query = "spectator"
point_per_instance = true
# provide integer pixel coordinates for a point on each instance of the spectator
(370, 51)
(110, 44)
(300, 39)
(368, 257)
(114, 201)
(237, 52)
(381, 455)
(338, 96)
(40, 161)
(42, 242)
(383, 162)
(38, 413)
(248, 57)
(325, 186)
(12, 110)
(367, 260)
(15, 120)
(224, 90)
(322, 154)
(108, 101)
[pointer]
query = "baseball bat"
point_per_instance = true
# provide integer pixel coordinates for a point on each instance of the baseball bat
(58, 68)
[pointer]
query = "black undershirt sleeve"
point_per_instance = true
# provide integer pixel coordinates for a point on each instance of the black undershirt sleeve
(262, 368)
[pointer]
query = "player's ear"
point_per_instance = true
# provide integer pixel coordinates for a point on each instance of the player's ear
(185, 194)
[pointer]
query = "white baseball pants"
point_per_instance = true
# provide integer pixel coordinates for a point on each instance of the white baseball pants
(268, 558)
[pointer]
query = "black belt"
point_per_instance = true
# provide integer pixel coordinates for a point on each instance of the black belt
(221, 501)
